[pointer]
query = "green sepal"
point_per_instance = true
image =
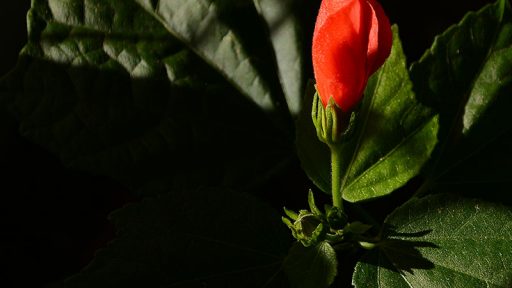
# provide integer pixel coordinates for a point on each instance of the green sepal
(292, 215)
(327, 122)
(316, 114)
(312, 205)
(307, 228)
(290, 225)
(308, 224)
(287, 222)
(324, 119)
(349, 131)
(331, 128)
(316, 237)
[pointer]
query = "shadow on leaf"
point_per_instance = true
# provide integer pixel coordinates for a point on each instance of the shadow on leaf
(140, 130)
(399, 252)
(403, 255)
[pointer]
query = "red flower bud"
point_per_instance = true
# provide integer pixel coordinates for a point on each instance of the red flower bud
(352, 39)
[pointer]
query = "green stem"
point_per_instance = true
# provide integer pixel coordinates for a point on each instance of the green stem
(337, 199)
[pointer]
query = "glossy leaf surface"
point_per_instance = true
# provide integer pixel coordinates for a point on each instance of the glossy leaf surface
(441, 241)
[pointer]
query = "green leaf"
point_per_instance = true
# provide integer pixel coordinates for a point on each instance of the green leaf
(212, 30)
(467, 76)
(394, 136)
(104, 85)
(285, 34)
(311, 267)
(204, 238)
(441, 241)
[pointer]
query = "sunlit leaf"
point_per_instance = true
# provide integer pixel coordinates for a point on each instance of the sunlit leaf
(441, 241)
(106, 87)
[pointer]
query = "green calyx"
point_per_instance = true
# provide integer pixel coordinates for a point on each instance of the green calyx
(313, 226)
(330, 124)
(333, 127)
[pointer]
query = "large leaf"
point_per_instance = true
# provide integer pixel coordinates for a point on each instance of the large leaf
(285, 33)
(394, 136)
(104, 85)
(311, 267)
(467, 76)
(442, 241)
(213, 29)
(191, 239)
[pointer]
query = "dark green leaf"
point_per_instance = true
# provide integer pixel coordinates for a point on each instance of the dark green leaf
(105, 86)
(311, 267)
(285, 33)
(212, 29)
(441, 241)
(467, 76)
(394, 136)
(191, 239)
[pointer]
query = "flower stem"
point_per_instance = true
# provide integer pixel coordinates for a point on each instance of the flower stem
(337, 199)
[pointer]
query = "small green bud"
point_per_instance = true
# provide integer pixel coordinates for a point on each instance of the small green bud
(336, 218)
(307, 228)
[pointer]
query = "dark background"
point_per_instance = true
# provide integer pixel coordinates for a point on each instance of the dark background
(52, 219)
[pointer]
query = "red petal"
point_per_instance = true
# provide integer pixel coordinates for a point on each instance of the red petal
(339, 52)
(352, 39)
(379, 39)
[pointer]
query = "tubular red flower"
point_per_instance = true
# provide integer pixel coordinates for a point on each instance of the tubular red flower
(352, 39)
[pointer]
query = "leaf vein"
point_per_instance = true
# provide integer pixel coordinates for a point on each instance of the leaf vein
(389, 154)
